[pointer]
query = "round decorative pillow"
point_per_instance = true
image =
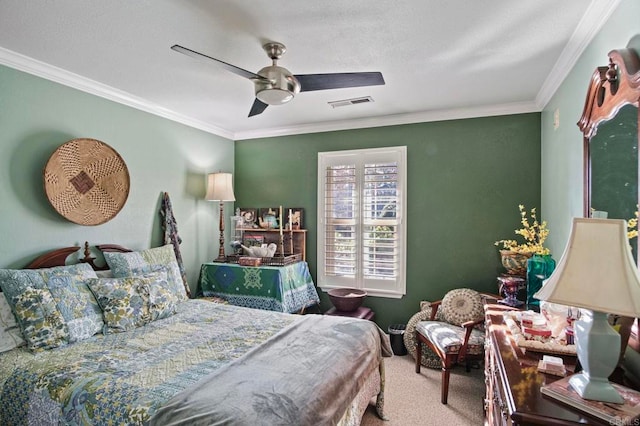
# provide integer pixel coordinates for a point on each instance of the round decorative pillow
(461, 305)
(429, 358)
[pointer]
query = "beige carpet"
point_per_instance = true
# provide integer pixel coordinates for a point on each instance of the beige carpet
(414, 399)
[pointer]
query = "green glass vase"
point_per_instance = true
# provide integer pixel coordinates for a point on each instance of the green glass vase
(539, 268)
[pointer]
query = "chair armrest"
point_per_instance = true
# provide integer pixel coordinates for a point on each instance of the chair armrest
(470, 324)
(468, 327)
(434, 309)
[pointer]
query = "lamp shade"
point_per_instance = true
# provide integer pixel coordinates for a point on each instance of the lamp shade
(597, 270)
(219, 187)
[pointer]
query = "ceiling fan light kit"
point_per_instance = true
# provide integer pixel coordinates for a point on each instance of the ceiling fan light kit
(281, 87)
(275, 85)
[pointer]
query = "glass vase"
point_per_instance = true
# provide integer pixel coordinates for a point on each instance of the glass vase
(539, 268)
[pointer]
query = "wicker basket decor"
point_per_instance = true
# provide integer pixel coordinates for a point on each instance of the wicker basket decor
(86, 181)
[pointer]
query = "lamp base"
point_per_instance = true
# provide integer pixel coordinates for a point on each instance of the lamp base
(595, 389)
(598, 349)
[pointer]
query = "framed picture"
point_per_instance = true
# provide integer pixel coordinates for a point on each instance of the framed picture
(253, 240)
(293, 217)
(268, 217)
(249, 218)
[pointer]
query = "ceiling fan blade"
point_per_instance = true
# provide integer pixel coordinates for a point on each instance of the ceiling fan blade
(258, 107)
(309, 82)
(236, 70)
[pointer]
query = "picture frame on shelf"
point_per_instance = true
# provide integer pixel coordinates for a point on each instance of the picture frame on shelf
(297, 213)
(249, 218)
(251, 240)
(268, 217)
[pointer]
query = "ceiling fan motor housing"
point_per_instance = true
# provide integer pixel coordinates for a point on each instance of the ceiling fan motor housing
(281, 87)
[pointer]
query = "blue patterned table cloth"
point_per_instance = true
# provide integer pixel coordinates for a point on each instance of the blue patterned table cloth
(287, 288)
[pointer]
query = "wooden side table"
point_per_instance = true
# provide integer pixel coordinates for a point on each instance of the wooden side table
(361, 312)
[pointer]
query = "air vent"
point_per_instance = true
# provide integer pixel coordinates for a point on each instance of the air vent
(354, 101)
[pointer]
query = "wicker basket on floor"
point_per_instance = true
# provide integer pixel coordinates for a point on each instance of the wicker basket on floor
(429, 358)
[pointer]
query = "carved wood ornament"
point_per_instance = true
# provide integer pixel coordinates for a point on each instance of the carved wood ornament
(611, 88)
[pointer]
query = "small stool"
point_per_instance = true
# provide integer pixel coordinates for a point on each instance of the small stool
(361, 312)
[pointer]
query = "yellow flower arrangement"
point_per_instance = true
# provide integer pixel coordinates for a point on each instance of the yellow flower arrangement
(632, 226)
(534, 233)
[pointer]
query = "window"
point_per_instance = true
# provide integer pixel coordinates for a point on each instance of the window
(361, 227)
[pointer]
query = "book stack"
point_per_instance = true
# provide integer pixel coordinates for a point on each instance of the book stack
(552, 365)
(627, 413)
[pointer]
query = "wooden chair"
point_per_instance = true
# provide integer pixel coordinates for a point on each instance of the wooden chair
(454, 331)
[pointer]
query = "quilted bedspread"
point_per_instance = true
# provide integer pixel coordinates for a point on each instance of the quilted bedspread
(127, 378)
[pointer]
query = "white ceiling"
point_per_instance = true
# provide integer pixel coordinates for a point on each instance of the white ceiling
(440, 59)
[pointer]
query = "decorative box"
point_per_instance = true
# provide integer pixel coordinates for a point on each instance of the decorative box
(539, 334)
(249, 261)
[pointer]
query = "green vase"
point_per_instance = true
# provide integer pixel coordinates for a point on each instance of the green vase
(539, 268)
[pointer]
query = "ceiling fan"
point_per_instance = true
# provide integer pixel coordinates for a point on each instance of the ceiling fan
(275, 85)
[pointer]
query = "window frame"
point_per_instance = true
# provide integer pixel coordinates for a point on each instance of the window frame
(390, 288)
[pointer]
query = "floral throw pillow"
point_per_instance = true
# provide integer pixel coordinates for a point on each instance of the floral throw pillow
(60, 294)
(10, 335)
(42, 324)
(141, 262)
(134, 301)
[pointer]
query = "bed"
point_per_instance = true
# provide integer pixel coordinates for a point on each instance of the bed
(118, 348)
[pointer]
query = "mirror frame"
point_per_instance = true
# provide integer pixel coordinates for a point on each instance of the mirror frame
(611, 88)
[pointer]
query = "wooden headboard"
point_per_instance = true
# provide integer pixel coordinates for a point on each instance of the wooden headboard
(58, 257)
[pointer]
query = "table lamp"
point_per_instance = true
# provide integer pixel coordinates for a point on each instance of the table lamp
(597, 273)
(220, 188)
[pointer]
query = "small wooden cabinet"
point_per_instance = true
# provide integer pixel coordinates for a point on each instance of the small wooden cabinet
(513, 383)
(295, 239)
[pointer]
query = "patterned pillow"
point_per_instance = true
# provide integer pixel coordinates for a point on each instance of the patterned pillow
(53, 306)
(10, 335)
(461, 305)
(134, 301)
(141, 262)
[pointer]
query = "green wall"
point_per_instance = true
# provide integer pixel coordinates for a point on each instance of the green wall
(465, 181)
(37, 116)
(562, 170)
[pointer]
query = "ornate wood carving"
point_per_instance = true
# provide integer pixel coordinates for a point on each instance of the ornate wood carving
(611, 88)
(58, 257)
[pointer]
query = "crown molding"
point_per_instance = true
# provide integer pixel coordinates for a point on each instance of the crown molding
(59, 75)
(393, 120)
(595, 17)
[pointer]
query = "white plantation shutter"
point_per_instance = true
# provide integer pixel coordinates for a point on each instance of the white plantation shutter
(361, 236)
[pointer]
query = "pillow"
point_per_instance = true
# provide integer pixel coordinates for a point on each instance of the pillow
(461, 305)
(141, 262)
(105, 274)
(10, 335)
(53, 306)
(134, 301)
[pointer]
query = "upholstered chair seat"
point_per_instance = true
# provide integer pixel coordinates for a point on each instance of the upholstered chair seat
(449, 338)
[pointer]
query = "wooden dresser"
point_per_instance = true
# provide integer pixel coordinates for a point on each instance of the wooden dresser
(513, 383)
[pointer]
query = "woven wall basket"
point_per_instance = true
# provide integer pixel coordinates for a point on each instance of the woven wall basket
(86, 181)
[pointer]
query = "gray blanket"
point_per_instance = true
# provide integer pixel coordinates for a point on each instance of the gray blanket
(307, 374)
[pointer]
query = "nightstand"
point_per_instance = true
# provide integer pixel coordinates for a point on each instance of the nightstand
(361, 312)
